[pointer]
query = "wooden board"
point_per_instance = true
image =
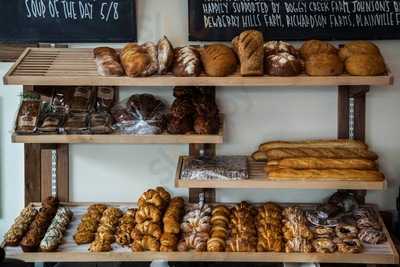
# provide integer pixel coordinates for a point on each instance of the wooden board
(76, 66)
(69, 252)
(258, 179)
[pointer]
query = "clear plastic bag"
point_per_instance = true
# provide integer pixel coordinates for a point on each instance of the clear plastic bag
(216, 168)
(140, 114)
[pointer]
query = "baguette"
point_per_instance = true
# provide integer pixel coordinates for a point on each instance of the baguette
(329, 174)
(339, 143)
(323, 163)
(259, 156)
(330, 153)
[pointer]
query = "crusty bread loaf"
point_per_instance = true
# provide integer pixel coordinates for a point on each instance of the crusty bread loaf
(324, 64)
(340, 143)
(165, 55)
(187, 62)
(139, 60)
(365, 65)
(259, 156)
(313, 47)
(323, 163)
(249, 47)
(107, 62)
(330, 153)
(218, 60)
(357, 48)
(330, 174)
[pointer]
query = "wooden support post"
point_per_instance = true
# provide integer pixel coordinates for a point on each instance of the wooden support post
(39, 167)
(204, 150)
(351, 118)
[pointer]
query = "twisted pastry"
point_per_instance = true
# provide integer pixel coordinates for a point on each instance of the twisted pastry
(269, 228)
(295, 231)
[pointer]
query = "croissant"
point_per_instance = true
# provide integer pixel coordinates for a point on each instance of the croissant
(163, 193)
(145, 243)
(240, 245)
(269, 244)
(168, 240)
(149, 228)
(148, 212)
(151, 196)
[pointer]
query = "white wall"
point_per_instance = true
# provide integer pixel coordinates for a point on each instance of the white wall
(254, 115)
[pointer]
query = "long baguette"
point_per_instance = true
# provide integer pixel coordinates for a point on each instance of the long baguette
(330, 174)
(323, 163)
(339, 143)
(259, 156)
(330, 153)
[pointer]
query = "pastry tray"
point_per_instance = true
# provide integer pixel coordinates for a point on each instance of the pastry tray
(76, 66)
(259, 179)
(385, 253)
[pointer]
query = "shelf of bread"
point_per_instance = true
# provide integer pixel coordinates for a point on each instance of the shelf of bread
(69, 251)
(76, 66)
(258, 178)
(120, 138)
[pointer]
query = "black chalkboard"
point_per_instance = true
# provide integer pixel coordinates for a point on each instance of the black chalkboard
(221, 20)
(58, 21)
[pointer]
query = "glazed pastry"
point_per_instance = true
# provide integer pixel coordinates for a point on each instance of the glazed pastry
(187, 62)
(346, 231)
(249, 47)
(269, 228)
(165, 55)
(314, 47)
(57, 228)
(126, 226)
(324, 65)
(38, 228)
(356, 48)
(243, 230)
(349, 245)
(107, 62)
(324, 245)
(372, 236)
(365, 65)
(283, 64)
(218, 60)
(276, 47)
(105, 235)
(195, 228)
(296, 232)
(89, 223)
(337, 143)
(20, 226)
(219, 229)
(323, 232)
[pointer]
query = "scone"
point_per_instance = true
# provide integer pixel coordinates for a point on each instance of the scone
(283, 64)
(218, 60)
(313, 47)
(249, 46)
(275, 47)
(358, 47)
(365, 65)
(324, 65)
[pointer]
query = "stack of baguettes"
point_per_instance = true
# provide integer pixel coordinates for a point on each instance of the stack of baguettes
(340, 159)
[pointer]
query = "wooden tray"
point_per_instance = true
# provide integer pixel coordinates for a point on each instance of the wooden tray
(258, 179)
(69, 252)
(76, 66)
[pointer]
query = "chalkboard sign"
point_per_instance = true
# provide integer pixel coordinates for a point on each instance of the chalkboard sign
(57, 21)
(221, 20)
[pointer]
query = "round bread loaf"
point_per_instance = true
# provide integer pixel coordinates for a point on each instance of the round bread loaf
(218, 60)
(356, 48)
(283, 64)
(313, 47)
(275, 47)
(324, 65)
(365, 65)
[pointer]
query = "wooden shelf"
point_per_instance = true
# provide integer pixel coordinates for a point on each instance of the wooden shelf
(69, 252)
(258, 179)
(76, 66)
